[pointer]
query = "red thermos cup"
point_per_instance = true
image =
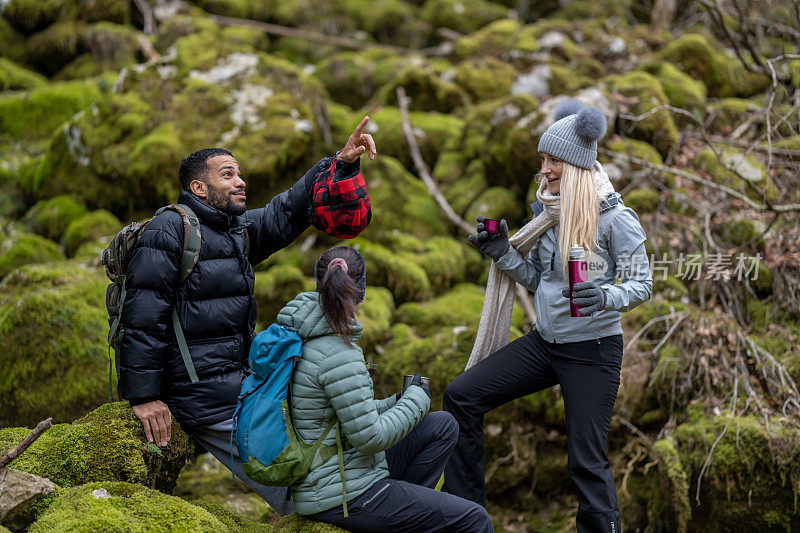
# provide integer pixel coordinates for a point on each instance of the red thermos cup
(578, 272)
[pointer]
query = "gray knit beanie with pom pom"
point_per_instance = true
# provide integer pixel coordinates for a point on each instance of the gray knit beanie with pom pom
(574, 134)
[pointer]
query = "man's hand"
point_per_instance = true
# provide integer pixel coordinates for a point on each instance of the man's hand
(357, 144)
(157, 421)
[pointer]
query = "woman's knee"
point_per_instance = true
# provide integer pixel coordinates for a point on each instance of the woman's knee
(445, 425)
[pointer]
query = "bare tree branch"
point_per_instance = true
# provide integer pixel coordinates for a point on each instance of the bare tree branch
(12, 454)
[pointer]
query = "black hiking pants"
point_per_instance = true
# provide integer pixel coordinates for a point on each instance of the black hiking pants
(589, 375)
(406, 501)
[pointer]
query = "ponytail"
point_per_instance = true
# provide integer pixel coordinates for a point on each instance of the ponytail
(341, 281)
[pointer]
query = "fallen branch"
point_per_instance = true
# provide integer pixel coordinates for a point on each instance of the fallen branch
(335, 40)
(433, 189)
(147, 15)
(27, 441)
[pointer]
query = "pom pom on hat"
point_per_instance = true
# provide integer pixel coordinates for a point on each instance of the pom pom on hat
(567, 108)
(590, 124)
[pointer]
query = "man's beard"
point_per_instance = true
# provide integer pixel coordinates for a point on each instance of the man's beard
(224, 202)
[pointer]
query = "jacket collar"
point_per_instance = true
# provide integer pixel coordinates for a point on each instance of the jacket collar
(211, 216)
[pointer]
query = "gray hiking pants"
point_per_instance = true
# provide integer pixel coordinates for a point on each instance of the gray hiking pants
(216, 439)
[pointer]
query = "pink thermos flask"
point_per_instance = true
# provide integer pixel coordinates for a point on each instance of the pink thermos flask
(578, 272)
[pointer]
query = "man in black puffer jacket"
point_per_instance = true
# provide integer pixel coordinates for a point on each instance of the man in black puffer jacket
(215, 305)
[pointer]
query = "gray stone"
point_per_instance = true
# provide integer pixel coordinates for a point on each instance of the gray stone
(18, 492)
(741, 165)
(535, 83)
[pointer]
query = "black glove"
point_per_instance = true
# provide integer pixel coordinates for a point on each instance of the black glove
(588, 296)
(495, 246)
(417, 380)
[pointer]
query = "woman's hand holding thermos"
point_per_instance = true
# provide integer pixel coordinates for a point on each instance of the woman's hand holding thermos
(588, 296)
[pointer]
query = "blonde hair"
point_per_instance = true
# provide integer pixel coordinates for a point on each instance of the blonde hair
(579, 212)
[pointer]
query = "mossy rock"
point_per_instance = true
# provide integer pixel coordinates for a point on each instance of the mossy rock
(658, 129)
(643, 200)
(206, 482)
(32, 115)
(352, 78)
(29, 16)
(107, 444)
(485, 78)
(459, 307)
(738, 170)
(751, 475)
(721, 74)
(564, 80)
(53, 323)
(108, 46)
(90, 227)
(295, 523)
(465, 185)
(426, 90)
(433, 132)
(128, 507)
(497, 202)
(463, 17)
(503, 39)
(400, 202)
(738, 231)
(402, 275)
(730, 113)
(50, 218)
(633, 148)
(375, 315)
(24, 249)
(14, 77)
(681, 89)
(277, 286)
(501, 133)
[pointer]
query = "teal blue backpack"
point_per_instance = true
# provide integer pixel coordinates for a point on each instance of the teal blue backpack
(272, 452)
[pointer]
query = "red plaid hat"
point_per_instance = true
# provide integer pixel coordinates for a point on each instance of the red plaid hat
(340, 203)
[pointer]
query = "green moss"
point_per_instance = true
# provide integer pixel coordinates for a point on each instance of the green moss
(485, 78)
(401, 275)
(375, 315)
(670, 465)
(658, 129)
(643, 200)
(90, 227)
(678, 201)
(738, 231)
(499, 39)
(738, 170)
(500, 133)
(32, 15)
(466, 185)
(125, 507)
(25, 248)
(723, 75)
(50, 218)
(15, 77)
(461, 17)
(400, 202)
(231, 520)
(496, 202)
(110, 46)
(752, 475)
(352, 78)
(295, 523)
(564, 80)
(36, 114)
(731, 112)
(277, 286)
(681, 90)
(244, 36)
(425, 88)
(108, 444)
(53, 323)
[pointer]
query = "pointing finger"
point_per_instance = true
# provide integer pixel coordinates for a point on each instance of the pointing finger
(360, 127)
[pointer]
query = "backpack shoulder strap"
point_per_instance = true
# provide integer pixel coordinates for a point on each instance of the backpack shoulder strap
(191, 237)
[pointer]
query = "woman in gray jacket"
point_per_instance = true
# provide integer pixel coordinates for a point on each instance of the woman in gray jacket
(582, 354)
(394, 451)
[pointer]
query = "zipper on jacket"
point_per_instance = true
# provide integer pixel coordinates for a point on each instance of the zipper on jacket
(364, 505)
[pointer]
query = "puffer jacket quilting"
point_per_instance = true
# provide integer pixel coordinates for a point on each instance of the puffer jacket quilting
(330, 382)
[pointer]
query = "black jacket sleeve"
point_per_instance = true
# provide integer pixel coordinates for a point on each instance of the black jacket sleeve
(153, 276)
(285, 217)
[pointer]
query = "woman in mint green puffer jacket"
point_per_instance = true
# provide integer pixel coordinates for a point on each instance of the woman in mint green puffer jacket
(394, 452)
